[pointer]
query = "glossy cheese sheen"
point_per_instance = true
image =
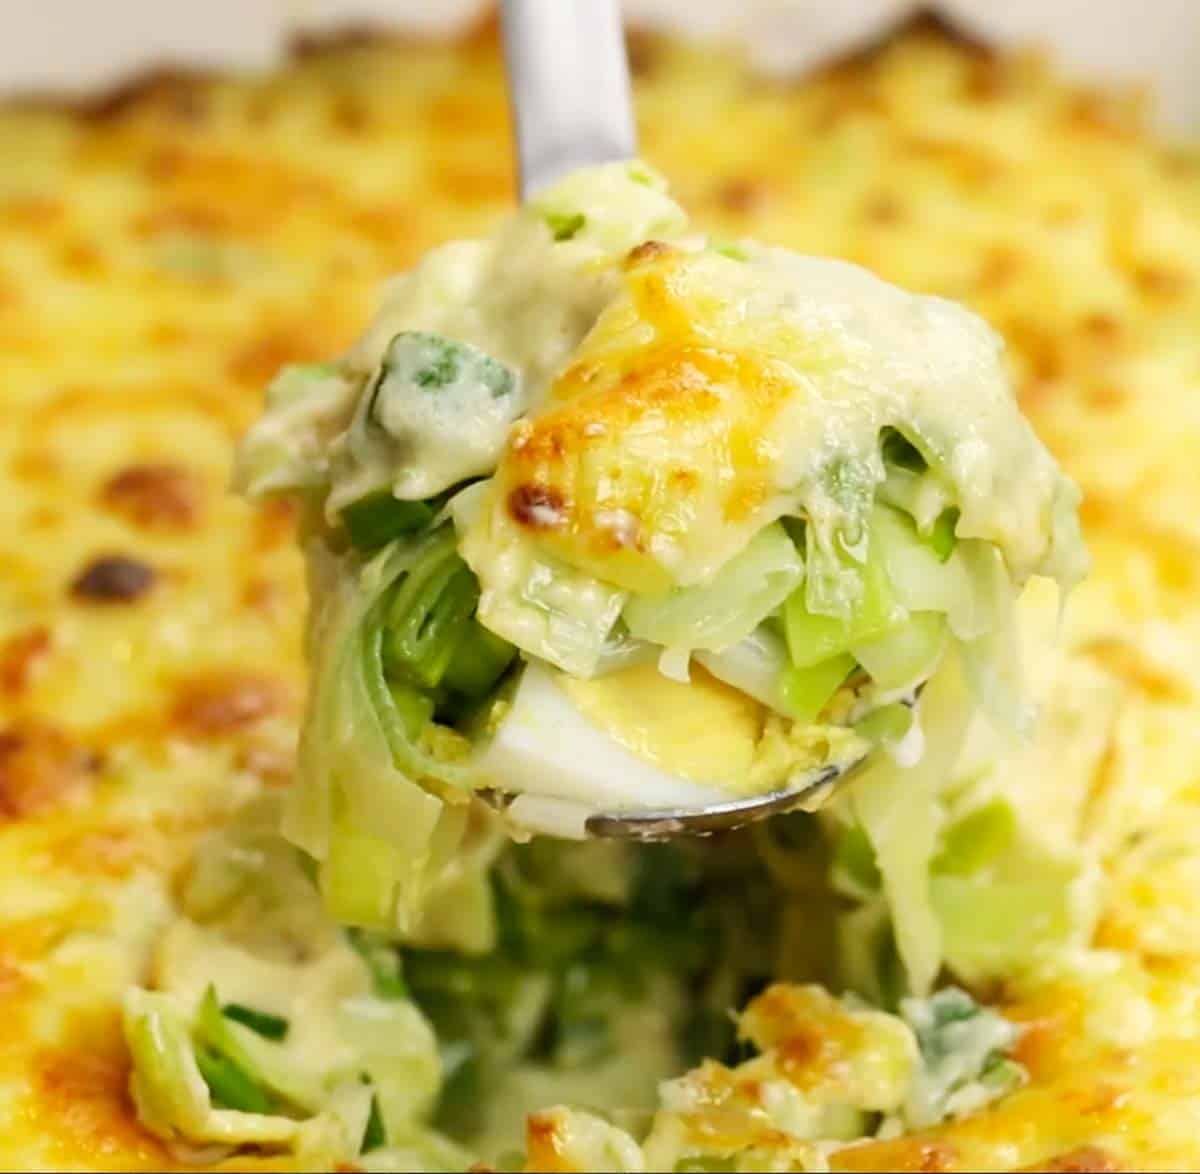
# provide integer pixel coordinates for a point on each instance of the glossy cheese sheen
(159, 261)
(716, 393)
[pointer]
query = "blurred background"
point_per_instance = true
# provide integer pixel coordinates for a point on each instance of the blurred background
(74, 45)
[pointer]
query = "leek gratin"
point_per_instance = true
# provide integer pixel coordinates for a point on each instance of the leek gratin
(174, 988)
(816, 484)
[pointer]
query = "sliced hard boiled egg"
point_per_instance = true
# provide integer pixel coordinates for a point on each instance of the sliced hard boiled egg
(632, 740)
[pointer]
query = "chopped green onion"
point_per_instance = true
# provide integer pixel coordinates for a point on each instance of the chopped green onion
(565, 225)
(806, 691)
(374, 1135)
(268, 1026)
(942, 538)
(478, 662)
(427, 616)
(373, 521)
(229, 1085)
(383, 961)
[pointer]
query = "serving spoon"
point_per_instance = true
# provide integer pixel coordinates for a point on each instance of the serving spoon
(568, 85)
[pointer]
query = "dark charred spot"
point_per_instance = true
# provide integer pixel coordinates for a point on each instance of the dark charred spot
(155, 497)
(646, 251)
(222, 703)
(81, 259)
(987, 79)
(540, 507)
(177, 92)
(801, 1049)
(644, 50)
(41, 767)
(884, 208)
(1100, 328)
(350, 114)
(1159, 281)
(1000, 266)
(742, 195)
(20, 656)
(113, 578)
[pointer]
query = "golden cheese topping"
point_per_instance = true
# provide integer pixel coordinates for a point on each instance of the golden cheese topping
(159, 259)
(717, 392)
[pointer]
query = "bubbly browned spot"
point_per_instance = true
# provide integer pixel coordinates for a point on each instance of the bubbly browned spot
(742, 194)
(274, 523)
(113, 579)
(155, 496)
(544, 1144)
(83, 1086)
(540, 507)
(1085, 1159)
(41, 766)
(904, 1154)
(21, 655)
(1134, 666)
(222, 703)
(647, 251)
(259, 360)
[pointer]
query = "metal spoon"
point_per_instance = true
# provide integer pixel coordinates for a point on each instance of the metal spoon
(568, 83)
(568, 87)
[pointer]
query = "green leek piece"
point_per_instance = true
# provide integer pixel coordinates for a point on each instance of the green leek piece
(898, 450)
(815, 638)
(375, 1135)
(906, 655)
(716, 615)
(854, 863)
(375, 520)
(383, 961)
(977, 839)
(479, 661)
(229, 1085)
(358, 876)
(942, 538)
(427, 615)
(807, 690)
(414, 708)
(226, 1067)
(273, 1027)
(888, 723)
(565, 225)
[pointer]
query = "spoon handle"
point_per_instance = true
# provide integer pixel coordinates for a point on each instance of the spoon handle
(568, 84)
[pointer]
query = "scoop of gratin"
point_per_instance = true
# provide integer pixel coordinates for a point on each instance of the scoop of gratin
(614, 517)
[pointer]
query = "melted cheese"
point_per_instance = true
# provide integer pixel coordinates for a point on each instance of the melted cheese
(717, 393)
(158, 261)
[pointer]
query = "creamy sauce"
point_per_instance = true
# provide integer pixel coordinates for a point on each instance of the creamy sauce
(715, 395)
